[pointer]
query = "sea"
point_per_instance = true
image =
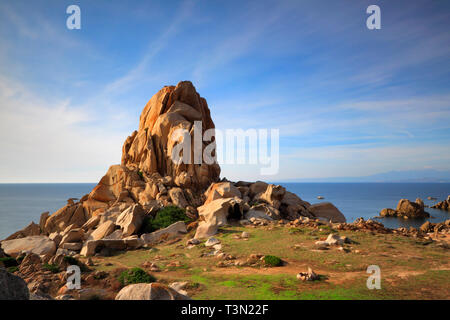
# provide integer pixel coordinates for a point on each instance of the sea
(22, 203)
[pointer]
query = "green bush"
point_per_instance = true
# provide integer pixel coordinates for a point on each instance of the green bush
(164, 218)
(71, 260)
(51, 267)
(9, 262)
(141, 174)
(13, 269)
(135, 275)
(273, 261)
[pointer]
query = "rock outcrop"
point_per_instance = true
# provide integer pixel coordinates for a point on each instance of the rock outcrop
(149, 149)
(327, 211)
(443, 205)
(407, 210)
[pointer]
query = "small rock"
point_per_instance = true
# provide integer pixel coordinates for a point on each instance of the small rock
(245, 235)
(211, 242)
(307, 276)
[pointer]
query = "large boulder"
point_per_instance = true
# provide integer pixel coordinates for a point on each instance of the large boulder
(215, 214)
(272, 195)
(221, 190)
(178, 198)
(117, 180)
(64, 217)
(131, 220)
(173, 231)
(410, 209)
(39, 245)
(12, 287)
(103, 230)
(149, 149)
(74, 235)
(327, 211)
(292, 207)
(149, 291)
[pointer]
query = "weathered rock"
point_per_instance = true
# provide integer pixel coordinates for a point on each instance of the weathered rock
(257, 214)
(43, 220)
(150, 148)
(67, 215)
(215, 214)
(411, 209)
(31, 230)
(102, 231)
(328, 211)
(211, 242)
(91, 223)
(272, 195)
(265, 210)
(173, 231)
(74, 246)
(387, 212)
(149, 291)
(177, 197)
(131, 220)
(292, 207)
(74, 235)
(257, 188)
(40, 245)
(12, 287)
(221, 190)
(308, 276)
(425, 227)
(443, 205)
(115, 235)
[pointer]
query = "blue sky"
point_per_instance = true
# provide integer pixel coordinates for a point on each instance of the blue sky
(348, 101)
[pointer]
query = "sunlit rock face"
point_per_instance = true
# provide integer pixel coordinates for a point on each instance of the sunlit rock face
(149, 149)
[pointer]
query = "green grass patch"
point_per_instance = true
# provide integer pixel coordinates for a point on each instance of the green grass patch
(9, 262)
(51, 267)
(135, 275)
(272, 261)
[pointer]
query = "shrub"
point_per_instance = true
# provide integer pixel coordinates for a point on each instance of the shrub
(164, 218)
(51, 267)
(71, 260)
(13, 269)
(9, 262)
(135, 275)
(141, 174)
(273, 261)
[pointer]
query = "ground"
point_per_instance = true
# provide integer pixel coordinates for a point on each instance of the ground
(411, 268)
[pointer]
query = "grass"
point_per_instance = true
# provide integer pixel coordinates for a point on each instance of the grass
(409, 269)
(135, 275)
(51, 267)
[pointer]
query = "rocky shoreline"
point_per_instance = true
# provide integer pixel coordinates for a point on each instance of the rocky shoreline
(119, 214)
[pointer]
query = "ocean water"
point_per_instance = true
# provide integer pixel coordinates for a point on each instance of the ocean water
(366, 200)
(22, 203)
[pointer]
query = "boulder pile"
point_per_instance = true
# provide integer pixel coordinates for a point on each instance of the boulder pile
(113, 215)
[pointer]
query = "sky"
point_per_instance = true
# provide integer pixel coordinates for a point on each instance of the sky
(348, 101)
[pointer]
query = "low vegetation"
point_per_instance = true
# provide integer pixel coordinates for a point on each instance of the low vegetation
(135, 275)
(164, 218)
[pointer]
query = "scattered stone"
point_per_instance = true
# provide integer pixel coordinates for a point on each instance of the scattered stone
(308, 276)
(211, 242)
